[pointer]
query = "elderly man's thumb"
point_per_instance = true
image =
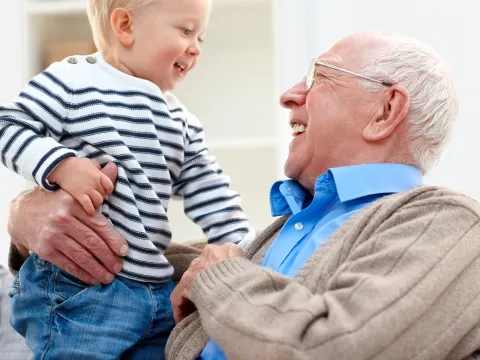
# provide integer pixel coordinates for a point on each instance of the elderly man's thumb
(111, 171)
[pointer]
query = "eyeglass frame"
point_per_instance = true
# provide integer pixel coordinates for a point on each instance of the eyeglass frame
(316, 63)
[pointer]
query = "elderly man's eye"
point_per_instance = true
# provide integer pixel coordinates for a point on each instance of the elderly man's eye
(318, 78)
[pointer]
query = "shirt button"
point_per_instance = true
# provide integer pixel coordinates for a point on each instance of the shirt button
(91, 60)
(299, 226)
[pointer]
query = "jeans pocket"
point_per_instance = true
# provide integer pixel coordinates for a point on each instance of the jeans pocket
(66, 286)
(17, 280)
(15, 287)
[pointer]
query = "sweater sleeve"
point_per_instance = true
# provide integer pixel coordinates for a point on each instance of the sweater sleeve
(408, 290)
(31, 125)
(208, 199)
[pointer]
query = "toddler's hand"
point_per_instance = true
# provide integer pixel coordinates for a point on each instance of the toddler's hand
(82, 179)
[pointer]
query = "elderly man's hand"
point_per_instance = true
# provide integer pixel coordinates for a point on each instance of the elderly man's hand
(57, 228)
(211, 254)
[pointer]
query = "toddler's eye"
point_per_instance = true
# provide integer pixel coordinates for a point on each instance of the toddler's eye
(187, 32)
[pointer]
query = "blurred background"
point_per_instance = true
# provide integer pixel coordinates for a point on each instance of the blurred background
(254, 50)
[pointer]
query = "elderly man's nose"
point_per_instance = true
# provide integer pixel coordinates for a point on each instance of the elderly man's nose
(295, 96)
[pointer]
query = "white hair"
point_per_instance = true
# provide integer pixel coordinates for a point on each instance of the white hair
(433, 98)
(99, 13)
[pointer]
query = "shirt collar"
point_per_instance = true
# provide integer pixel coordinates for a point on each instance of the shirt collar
(280, 203)
(349, 182)
(353, 182)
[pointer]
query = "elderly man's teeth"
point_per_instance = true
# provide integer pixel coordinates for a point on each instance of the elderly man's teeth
(297, 129)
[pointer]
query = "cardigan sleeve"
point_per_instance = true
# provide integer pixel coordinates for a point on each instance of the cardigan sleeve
(408, 290)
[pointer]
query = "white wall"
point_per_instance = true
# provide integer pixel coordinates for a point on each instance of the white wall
(449, 26)
(11, 80)
(292, 54)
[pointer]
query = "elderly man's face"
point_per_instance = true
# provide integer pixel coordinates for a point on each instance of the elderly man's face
(335, 113)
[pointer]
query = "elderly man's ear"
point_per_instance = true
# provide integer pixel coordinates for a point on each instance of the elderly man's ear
(395, 107)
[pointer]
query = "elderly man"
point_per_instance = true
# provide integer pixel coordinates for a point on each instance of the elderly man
(364, 262)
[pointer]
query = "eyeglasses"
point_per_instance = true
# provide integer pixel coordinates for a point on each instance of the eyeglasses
(312, 71)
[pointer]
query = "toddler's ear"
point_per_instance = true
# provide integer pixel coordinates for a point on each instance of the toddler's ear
(122, 26)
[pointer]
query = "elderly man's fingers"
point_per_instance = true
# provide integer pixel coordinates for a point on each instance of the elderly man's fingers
(97, 226)
(181, 306)
(234, 251)
(176, 308)
(64, 263)
(49, 249)
(101, 226)
(86, 235)
(195, 262)
(85, 260)
(215, 253)
(208, 249)
(111, 171)
(96, 245)
(178, 301)
(212, 254)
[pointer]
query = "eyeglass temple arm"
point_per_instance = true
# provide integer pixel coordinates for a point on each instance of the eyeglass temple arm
(386, 83)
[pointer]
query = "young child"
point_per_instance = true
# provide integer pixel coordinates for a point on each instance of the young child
(86, 111)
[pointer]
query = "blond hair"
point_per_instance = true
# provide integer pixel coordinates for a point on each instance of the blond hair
(99, 13)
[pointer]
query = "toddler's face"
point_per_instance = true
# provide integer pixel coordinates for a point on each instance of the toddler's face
(168, 35)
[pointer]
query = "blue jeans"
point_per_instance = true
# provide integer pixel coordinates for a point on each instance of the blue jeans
(64, 318)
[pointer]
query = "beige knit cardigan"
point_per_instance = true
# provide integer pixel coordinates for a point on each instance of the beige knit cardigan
(398, 280)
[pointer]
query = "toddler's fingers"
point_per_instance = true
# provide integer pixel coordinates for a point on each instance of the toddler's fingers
(85, 201)
(107, 184)
(96, 198)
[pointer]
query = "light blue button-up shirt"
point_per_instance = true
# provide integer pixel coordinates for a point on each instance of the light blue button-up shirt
(338, 194)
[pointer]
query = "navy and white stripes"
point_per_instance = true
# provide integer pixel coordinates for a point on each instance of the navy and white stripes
(98, 112)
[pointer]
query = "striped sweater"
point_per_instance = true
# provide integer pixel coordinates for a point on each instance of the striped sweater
(84, 107)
